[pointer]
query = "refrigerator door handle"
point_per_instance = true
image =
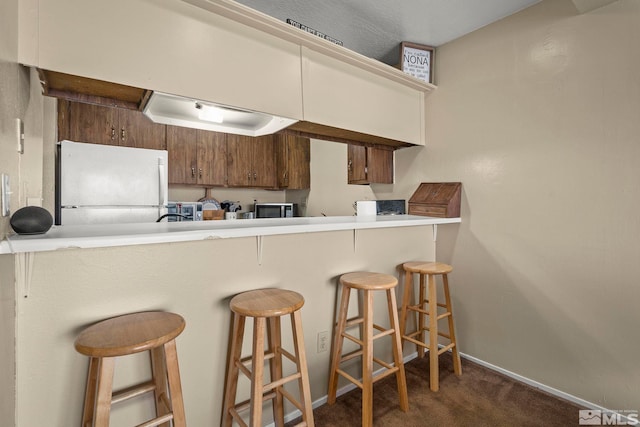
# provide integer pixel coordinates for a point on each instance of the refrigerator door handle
(163, 184)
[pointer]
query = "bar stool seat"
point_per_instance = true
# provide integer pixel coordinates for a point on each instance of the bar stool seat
(367, 283)
(428, 306)
(122, 336)
(266, 306)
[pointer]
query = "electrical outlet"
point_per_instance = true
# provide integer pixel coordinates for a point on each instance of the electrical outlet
(323, 341)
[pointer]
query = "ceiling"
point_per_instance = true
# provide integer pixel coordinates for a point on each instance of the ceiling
(375, 28)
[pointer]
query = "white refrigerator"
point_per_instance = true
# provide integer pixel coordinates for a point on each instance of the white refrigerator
(105, 184)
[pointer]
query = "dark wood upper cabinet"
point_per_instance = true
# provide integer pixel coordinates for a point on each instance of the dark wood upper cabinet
(99, 124)
(369, 165)
(212, 158)
(182, 146)
(251, 161)
(196, 156)
(293, 161)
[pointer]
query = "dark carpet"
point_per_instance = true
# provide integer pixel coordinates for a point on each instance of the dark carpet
(480, 397)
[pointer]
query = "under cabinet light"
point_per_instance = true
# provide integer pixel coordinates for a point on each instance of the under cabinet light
(209, 113)
(179, 111)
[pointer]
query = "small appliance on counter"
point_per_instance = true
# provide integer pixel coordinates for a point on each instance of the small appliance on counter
(184, 211)
(275, 210)
(390, 207)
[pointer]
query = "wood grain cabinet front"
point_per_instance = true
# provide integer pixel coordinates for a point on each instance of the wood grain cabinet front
(293, 160)
(369, 165)
(196, 156)
(251, 161)
(100, 124)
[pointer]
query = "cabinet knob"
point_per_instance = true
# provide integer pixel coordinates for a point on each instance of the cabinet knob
(193, 171)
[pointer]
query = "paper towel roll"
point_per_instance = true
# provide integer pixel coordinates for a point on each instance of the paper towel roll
(366, 207)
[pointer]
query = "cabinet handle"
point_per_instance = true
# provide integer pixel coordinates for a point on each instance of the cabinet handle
(193, 171)
(113, 133)
(122, 134)
(249, 175)
(255, 176)
(349, 165)
(200, 172)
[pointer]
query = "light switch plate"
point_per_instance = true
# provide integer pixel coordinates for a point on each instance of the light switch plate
(6, 195)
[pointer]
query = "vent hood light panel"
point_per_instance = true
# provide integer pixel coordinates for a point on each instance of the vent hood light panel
(181, 111)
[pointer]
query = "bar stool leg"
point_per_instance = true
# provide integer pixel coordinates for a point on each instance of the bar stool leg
(406, 300)
(301, 358)
(105, 383)
(235, 351)
(397, 350)
(367, 361)
(457, 366)
(257, 372)
(433, 334)
(159, 372)
(175, 387)
(421, 316)
(274, 338)
(90, 392)
(337, 345)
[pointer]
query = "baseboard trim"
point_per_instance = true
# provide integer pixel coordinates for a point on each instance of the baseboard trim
(535, 384)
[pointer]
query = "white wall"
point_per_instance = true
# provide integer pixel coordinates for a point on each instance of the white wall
(537, 115)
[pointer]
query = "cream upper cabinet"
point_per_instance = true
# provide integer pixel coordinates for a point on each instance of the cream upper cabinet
(338, 94)
(168, 46)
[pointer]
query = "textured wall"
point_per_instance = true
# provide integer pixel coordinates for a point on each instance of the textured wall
(537, 115)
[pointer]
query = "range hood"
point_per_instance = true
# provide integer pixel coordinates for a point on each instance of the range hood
(199, 114)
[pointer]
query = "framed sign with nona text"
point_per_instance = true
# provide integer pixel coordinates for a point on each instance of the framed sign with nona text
(417, 60)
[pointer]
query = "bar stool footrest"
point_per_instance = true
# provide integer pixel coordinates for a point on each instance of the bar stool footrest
(133, 391)
(157, 421)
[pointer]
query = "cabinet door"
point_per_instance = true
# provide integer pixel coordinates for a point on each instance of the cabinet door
(182, 147)
(357, 164)
(293, 155)
(263, 156)
(379, 166)
(239, 171)
(93, 123)
(212, 158)
(369, 165)
(136, 130)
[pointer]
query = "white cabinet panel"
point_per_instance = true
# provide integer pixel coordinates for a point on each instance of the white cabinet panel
(344, 96)
(173, 47)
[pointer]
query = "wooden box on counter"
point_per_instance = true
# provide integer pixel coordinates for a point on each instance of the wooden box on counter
(439, 199)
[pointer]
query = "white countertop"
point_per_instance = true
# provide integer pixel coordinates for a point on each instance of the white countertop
(97, 236)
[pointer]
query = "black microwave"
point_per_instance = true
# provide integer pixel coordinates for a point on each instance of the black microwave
(274, 210)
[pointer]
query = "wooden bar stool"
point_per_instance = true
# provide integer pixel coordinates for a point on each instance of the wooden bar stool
(428, 306)
(124, 335)
(367, 283)
(266, 306)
